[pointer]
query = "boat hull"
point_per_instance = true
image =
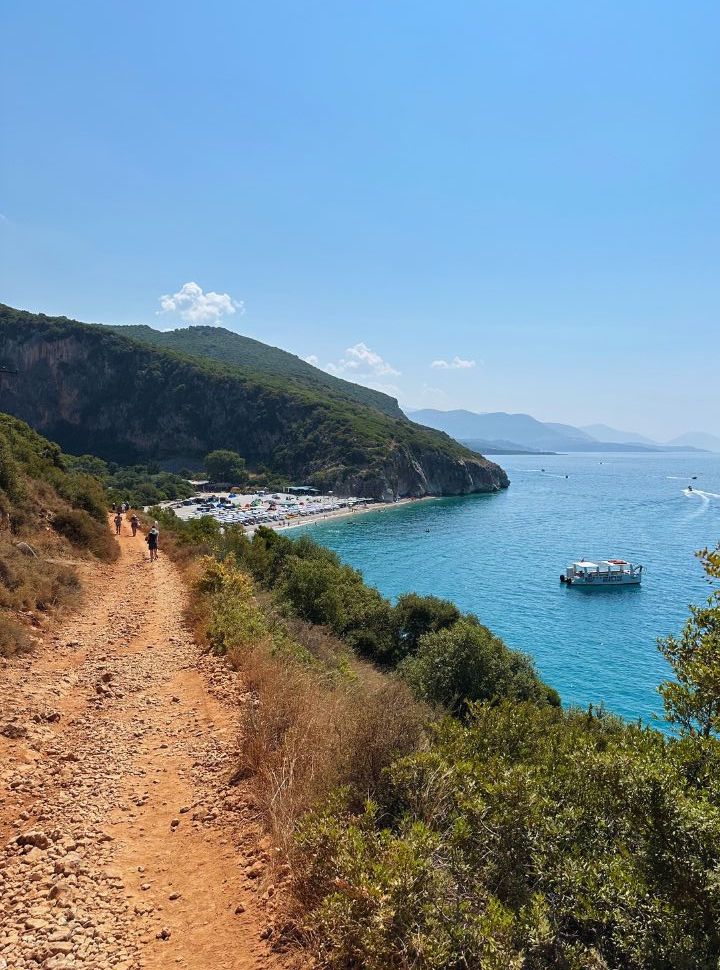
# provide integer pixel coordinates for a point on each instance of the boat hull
(599, 581)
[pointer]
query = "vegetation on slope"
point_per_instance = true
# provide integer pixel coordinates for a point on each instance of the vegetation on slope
(47, 514)
(138, 485)
(514, 834)
(536, 838)
(98, 392)
(252, 356)
(310, 583)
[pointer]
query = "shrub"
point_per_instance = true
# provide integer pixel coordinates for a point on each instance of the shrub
(225, 466)
(526, 838)
(311, 587)
(466, 662)
(34, 584)
(414, 616)
(9, 472)
(86, 493)
(79, 528)
(319, 719)
(13, 638)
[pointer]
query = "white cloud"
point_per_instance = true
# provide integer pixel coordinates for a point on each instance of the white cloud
(391, 389)
(360, 359)
(312, 359)
(433, 397)
(193, 305)
(457, 363)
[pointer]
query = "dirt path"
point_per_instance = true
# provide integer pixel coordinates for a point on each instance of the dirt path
(122, 844)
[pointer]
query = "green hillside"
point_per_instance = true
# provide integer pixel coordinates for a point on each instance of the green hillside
(253, 357)
(98, 391)
(49, 515)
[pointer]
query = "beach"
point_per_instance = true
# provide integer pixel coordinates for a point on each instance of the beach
(279, 511)
(352, 512)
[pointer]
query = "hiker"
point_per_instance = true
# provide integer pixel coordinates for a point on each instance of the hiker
(118, 523)
(152, 540)
(134, 523)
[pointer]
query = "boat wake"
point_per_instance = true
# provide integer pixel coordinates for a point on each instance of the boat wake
(704, 499)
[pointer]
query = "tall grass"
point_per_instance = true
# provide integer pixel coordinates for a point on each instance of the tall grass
(29, 583)
(316, 718)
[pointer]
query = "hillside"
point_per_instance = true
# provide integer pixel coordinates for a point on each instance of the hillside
(602, 432)
(253, 357)
(522, 431)
(697, 439)
(48, 517)
(96, 391)
(501, 447)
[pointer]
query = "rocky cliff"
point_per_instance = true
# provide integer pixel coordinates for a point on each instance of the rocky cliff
(97, 392)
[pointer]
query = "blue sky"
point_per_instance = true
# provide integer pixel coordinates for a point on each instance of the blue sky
(532, 187)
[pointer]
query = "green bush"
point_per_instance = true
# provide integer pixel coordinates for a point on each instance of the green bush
(225, 466)
(454, 665)
(414, 616)
(85, 492)
(9, 472)
(527, 838)
(466, 662)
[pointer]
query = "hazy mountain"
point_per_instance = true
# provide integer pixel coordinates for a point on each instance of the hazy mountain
(697, 439)
(603, 432)
(523, 432)
(569, 431)
(500, 447)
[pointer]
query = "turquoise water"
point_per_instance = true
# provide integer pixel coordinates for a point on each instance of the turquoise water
(500, 557)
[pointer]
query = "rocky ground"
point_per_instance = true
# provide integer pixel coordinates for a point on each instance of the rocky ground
(124, 846)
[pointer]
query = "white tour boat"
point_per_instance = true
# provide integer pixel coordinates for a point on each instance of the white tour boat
(601, 575)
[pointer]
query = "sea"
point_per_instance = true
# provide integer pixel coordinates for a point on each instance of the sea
(500, 557)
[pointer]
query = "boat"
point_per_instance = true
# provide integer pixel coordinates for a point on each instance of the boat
(602, 574)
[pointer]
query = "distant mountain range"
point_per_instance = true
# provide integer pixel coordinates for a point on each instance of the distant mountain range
(501, 433)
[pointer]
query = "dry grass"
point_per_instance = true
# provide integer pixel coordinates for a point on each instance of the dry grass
(13, 638)
(197, 608)
(30, 583)
(86, 533)
(316, 717)
(307, 732)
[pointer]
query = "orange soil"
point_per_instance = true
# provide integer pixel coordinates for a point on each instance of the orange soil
(125, 847)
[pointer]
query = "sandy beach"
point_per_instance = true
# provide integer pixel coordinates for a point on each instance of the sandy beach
(343, 513)
(272, 510)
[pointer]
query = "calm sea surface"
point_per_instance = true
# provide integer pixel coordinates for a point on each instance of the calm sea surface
(500, 557)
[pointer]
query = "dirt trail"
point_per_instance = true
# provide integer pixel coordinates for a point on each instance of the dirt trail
(122, 844)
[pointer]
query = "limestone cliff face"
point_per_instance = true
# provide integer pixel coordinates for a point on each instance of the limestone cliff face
(95, 392)
(426, 472)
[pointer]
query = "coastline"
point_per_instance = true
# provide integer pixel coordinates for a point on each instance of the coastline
(345, 513)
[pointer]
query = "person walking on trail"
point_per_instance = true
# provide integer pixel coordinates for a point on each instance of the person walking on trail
(118, 523)
(134, 523)
(152, 540)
